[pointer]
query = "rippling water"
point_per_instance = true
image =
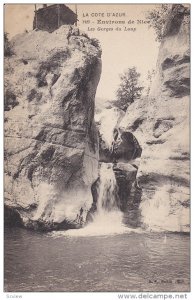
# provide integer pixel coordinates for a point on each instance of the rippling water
(123, 262)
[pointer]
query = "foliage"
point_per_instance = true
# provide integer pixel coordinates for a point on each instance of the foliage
(157, 18)
(10, 100)
(96, 43)
(129, 89)
(8, 51)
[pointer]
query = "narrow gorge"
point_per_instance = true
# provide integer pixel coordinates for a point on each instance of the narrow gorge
(97, 150)
(60, 152)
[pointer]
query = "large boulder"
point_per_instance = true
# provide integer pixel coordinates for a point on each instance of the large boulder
(51, 142)
(161, 124)
(125, 146)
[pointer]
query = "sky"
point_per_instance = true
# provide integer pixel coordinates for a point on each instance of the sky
(120, 49)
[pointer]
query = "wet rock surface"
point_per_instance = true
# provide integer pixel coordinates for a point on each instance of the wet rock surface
(126, 178)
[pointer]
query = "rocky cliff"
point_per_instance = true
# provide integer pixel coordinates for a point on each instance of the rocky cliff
(161, 125)
(51, 143)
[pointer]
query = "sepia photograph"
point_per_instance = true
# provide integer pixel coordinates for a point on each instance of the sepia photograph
(96, 147)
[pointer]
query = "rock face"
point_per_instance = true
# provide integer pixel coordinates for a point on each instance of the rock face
(51, 142)
(161, 125)
(125, 175)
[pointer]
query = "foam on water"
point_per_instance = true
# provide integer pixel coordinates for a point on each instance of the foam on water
(108, 218)
(104, 224)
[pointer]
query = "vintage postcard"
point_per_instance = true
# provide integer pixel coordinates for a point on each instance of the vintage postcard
(97, 148)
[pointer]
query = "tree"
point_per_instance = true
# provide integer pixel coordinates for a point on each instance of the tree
(129, 89)
(157, 18)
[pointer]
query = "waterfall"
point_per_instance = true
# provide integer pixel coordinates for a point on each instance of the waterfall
(108, 190)
(107, 220)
